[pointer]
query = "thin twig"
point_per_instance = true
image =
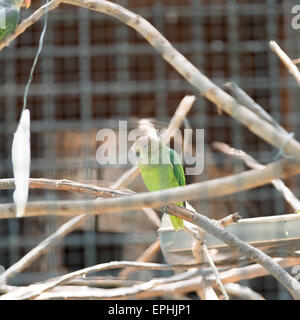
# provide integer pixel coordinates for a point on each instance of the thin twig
(180, 287)
(67, 185)
(292, 68)
(252, 163)
(34, 290)
(216, 273)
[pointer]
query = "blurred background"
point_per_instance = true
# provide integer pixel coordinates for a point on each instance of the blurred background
(95, 71)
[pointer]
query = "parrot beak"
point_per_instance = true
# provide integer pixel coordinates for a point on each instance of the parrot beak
(26, 4)
(135, 150)
(137, 154)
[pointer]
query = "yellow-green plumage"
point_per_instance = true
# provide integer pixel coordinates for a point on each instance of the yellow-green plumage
(166, 172)
(11, 11)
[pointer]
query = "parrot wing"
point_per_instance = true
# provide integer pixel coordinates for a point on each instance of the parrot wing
(177, 167)
(12, 16)
(180, 177)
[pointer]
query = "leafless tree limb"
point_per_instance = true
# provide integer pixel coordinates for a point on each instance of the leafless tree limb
(252, 163)
(292, 68)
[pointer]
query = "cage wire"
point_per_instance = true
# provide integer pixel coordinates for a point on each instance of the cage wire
(95, 71)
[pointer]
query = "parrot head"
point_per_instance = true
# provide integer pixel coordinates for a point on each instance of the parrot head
(26, 4)
(145, 148)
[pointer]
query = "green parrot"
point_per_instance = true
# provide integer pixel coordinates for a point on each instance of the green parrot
(160, 167)
(12, 15)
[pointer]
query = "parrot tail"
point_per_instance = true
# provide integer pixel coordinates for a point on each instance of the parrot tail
(176, 222)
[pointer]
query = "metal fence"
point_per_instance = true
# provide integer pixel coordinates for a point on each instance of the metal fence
(95, 71)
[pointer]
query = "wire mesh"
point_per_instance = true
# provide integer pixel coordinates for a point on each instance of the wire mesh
(94, 71)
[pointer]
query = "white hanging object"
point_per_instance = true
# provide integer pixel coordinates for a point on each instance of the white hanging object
(21, 162)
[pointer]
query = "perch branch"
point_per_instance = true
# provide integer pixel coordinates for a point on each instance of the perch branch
(203, 190)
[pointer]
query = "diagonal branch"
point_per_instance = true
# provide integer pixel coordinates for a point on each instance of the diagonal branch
(252, 163)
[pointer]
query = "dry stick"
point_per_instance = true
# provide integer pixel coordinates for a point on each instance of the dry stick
(206, 292)
(292, 68)
(243, 292)
(36, 289)
(252, 163)
(251, 271)
(243, 98)
(203, 190)
(233, 275)
(184, 286)
(216, 273)
(181, 111)
(51, 5)
(67, 185)
(206, 87)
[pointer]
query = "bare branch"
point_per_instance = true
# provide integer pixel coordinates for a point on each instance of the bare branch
(51, 5)
(252, 163)
(292, 68)
(34, 290)
(242, 292)
(203, 190)
(67, 185)
(216, 273)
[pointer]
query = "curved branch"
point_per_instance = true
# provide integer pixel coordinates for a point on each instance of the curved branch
(26, 23)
